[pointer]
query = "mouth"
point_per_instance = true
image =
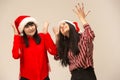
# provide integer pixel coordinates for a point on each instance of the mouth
(31, 31)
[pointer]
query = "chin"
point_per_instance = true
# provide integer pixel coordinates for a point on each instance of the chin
(31, 34)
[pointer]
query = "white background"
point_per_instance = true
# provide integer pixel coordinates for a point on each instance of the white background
(104, 20)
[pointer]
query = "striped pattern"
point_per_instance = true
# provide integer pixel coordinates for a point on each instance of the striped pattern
(85, 58)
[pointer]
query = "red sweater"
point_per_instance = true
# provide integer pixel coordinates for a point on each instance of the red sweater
(34, 59)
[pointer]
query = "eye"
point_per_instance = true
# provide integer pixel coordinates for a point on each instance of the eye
(64, 23)
(32, 25)
(27, 26)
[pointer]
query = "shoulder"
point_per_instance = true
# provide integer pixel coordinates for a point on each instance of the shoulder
(43, 34)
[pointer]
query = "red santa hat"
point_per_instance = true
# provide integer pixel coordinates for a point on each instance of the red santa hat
(75, 24)
(22, 20)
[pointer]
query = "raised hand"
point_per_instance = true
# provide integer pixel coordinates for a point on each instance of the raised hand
(56, 31)
(14, 29)
(79, 11)
(45, 27)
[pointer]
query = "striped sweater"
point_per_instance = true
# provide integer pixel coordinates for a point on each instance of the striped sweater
(85, 58)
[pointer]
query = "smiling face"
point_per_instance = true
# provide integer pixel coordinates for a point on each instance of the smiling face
(30, 29)
(64, 29)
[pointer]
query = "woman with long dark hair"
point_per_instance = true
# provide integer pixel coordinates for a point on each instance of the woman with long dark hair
(76, 49)
(31, 48)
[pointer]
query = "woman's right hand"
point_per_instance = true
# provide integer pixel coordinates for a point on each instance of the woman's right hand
(56, 31)
(14, 29)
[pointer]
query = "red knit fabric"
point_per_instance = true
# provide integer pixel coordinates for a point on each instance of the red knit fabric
(34, 59)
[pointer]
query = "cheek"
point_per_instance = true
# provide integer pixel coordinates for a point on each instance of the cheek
(25, 30)
(61, 31)
(68, 28)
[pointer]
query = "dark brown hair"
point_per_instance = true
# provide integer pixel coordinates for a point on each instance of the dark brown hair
(36, 37)
(65, 44)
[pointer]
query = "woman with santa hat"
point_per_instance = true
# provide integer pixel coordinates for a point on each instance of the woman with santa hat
(76, 49)
(31, 48)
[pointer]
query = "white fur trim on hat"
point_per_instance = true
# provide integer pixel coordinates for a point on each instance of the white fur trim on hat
(66, 21)
(24, 22)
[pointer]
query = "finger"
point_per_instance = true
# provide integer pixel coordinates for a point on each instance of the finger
(76, 7)
(12, 25)
(75, 10)
(79, 6)
(46, 24)
(88, 13)
(55, 30)
(82, 6)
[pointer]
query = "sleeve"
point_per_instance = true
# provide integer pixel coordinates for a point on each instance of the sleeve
(50, 45)
(88, 33)
(16, 50)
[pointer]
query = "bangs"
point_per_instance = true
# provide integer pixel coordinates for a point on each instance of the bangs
(29, 24)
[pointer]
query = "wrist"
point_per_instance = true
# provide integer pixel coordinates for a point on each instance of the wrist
(83, 21)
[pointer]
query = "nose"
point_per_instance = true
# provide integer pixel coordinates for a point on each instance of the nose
(62, 26)
(30, 27)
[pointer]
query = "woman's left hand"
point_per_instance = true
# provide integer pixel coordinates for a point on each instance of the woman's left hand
(79, 11)
(56, 31)
(45, 27)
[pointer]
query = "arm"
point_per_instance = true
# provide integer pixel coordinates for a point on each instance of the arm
(16, 44)
(51, 47)
(56, 32)
(16, 50)
(79, 11)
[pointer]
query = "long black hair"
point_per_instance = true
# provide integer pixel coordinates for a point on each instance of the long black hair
(36, 37)
(65, 44)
